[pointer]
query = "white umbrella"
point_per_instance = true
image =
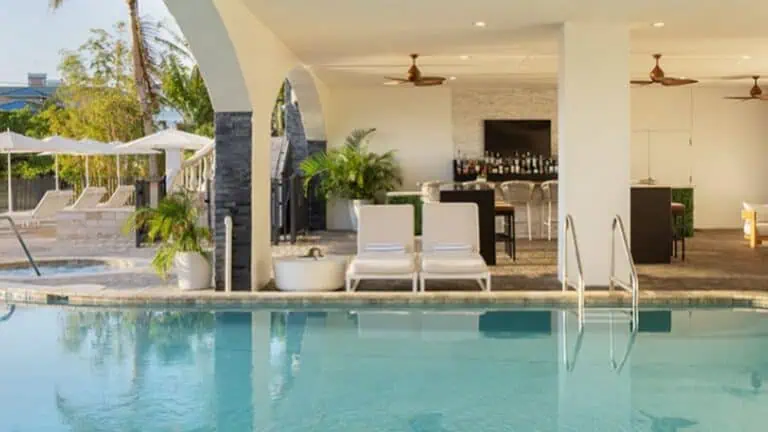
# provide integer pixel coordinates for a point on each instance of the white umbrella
(11, 142)
(173, 141)
(59, 145)
(117, 150)
(170, 139)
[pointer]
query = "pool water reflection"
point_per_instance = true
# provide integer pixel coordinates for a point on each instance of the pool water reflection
(379, 370)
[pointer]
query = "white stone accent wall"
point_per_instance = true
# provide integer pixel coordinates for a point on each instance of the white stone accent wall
(473, 105)
(91, 224)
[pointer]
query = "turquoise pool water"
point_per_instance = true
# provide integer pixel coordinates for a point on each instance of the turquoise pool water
(54, 269)
(412, 370)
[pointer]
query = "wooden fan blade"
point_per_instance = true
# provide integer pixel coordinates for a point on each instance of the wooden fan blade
(743, 98)
(762, 97)
(429, 81)
(641, 82)
(668, 81)
(395, 81)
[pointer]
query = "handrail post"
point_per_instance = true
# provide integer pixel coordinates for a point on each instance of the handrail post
(228, 253)
(21, 242)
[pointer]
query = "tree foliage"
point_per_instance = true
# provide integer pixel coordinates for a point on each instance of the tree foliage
(184, 90)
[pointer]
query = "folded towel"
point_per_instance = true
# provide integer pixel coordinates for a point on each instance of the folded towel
(384, 247)
(452, 247)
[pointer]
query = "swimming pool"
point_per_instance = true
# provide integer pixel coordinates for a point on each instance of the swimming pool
(418, 370)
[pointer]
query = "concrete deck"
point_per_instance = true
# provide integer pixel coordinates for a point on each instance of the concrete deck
(720, 270)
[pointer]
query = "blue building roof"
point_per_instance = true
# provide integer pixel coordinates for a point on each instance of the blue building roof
(17, 105)
(26, 92)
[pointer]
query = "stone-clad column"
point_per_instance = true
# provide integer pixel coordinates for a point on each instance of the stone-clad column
(232, 194)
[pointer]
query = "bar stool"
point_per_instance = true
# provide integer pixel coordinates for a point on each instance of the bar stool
(678, 228)
(519, 193)
(550, 201)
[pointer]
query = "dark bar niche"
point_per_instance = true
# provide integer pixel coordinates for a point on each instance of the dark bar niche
(514, 150)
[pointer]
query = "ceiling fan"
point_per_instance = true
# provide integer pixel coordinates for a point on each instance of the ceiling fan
(415, 77)
(657, 77)
(754, 93)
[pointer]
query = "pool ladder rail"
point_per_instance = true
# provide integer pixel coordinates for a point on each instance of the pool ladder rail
(602, 315)
(21, 242)
(570, 359)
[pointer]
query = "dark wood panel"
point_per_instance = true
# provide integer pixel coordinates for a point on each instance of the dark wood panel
(651, 225)
(484, 200)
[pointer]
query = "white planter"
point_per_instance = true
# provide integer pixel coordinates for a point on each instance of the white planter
(310, 274)
(354, 210)
(193, 271)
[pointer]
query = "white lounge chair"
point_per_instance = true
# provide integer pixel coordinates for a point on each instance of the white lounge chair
(45, 211)
(89, 198)
(119, 198)
(451, 244)
(385, 245)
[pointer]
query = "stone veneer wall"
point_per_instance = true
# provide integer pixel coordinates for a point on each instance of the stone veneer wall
(92, 224)
(473, 105)
(233, 135)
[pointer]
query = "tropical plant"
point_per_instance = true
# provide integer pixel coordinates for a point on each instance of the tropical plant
(143, 68)
(351, 171)
(184, 90)
(174, 223)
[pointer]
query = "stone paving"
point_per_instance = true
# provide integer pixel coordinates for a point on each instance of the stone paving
(718, 262)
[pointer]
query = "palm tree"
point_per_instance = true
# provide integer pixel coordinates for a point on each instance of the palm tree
(142, 70)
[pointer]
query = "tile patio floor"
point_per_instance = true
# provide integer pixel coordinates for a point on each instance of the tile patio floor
(715, 260)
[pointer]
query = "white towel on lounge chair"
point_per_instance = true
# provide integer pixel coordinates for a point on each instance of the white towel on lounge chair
(452, 247)
(385, 247)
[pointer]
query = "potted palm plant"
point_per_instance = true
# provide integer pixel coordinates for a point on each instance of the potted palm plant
(174, 223)
(353, 173)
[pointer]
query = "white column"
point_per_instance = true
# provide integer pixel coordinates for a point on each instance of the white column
(593, 139)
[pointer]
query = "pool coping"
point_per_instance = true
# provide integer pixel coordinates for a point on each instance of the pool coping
(168, 296)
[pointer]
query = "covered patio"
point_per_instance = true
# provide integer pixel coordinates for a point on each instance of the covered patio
(527, 61)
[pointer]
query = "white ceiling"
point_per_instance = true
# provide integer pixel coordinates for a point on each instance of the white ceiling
(360, 41)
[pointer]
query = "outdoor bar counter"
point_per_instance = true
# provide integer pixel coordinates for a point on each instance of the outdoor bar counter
(651, 223)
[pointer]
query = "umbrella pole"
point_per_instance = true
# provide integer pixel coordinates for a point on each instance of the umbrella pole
(118, 170)
(10, 185)
(87, 173)
(56, 169)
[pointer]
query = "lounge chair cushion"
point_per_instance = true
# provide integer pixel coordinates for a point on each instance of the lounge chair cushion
(453, 262)
(383, 263)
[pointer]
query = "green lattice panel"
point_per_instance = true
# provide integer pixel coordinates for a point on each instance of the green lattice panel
(416, 202)
(685, 196)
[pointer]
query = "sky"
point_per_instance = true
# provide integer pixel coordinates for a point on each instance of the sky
(32, 36)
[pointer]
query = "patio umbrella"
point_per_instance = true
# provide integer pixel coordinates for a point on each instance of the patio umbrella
(173, 142)
(12, 142)
(116, 150)
(59, 145)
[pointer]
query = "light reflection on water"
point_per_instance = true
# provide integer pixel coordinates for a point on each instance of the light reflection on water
(376, 370)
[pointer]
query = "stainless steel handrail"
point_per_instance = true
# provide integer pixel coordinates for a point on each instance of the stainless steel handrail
(633, 286)
(570, 227)
(21, 242)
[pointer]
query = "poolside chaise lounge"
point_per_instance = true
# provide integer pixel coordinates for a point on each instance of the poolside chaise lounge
(754, 230)
(451, 244)
(89, 198)
(385, 245)
(45, 211)
(119, 198)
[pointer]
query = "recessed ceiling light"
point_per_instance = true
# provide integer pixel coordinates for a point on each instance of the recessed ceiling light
(746, 57)
(658, 24)
(464, 57)
(480, 24)
(453, 78)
